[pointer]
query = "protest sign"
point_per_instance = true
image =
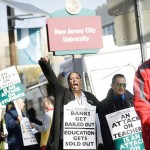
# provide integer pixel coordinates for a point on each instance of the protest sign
(10, 86)
(125, 127)
(27, 134)
(79, 127)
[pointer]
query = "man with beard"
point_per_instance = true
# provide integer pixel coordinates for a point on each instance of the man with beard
(62, 97)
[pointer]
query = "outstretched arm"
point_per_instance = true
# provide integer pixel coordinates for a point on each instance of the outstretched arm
(45, 126)
(49, 73)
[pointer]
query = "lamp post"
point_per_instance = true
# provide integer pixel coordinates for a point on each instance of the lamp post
(140, 29)
(11, 34)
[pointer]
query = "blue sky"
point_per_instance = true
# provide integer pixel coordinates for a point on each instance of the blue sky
(52, 5)
(47, 5)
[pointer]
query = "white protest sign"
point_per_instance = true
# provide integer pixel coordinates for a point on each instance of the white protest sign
(10, 86)
(79, 127)
(27, 134)
(125, 127)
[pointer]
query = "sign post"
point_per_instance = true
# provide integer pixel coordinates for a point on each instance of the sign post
(140, 29)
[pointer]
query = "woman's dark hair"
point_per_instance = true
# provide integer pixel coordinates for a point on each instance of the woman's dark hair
(31, 112)
(71, 73)
(10, 105)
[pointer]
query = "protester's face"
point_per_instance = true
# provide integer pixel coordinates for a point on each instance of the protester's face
(21, 104)
(119, 86)
(45, 103)
(75, 82)
(10, 106)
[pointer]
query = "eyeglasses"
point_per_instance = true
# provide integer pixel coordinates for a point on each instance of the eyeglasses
(120, 85)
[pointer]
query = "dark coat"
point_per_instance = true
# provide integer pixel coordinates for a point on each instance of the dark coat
(62, 96)
(110, 105)
(15, 140)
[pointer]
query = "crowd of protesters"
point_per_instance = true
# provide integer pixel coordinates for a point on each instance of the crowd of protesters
(49, 131)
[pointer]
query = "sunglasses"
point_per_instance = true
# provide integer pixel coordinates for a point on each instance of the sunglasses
(120, 85)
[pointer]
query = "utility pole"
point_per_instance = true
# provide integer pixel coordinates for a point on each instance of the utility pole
(11, 34)
(140, 29)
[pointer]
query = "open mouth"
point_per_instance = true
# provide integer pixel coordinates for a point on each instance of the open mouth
(75, 85)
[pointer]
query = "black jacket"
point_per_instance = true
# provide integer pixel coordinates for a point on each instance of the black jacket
(110, 105)
(62, 96)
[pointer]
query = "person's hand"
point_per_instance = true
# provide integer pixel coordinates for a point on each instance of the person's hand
(45, 59)
(2, 135)
(19, 118)
(32, 124)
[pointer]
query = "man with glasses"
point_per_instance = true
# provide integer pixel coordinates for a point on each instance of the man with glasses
(118, 98)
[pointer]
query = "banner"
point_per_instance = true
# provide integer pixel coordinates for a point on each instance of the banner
(125, 127)
(79, 127)
(10, 86)
(74, 33)
(27, 134)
